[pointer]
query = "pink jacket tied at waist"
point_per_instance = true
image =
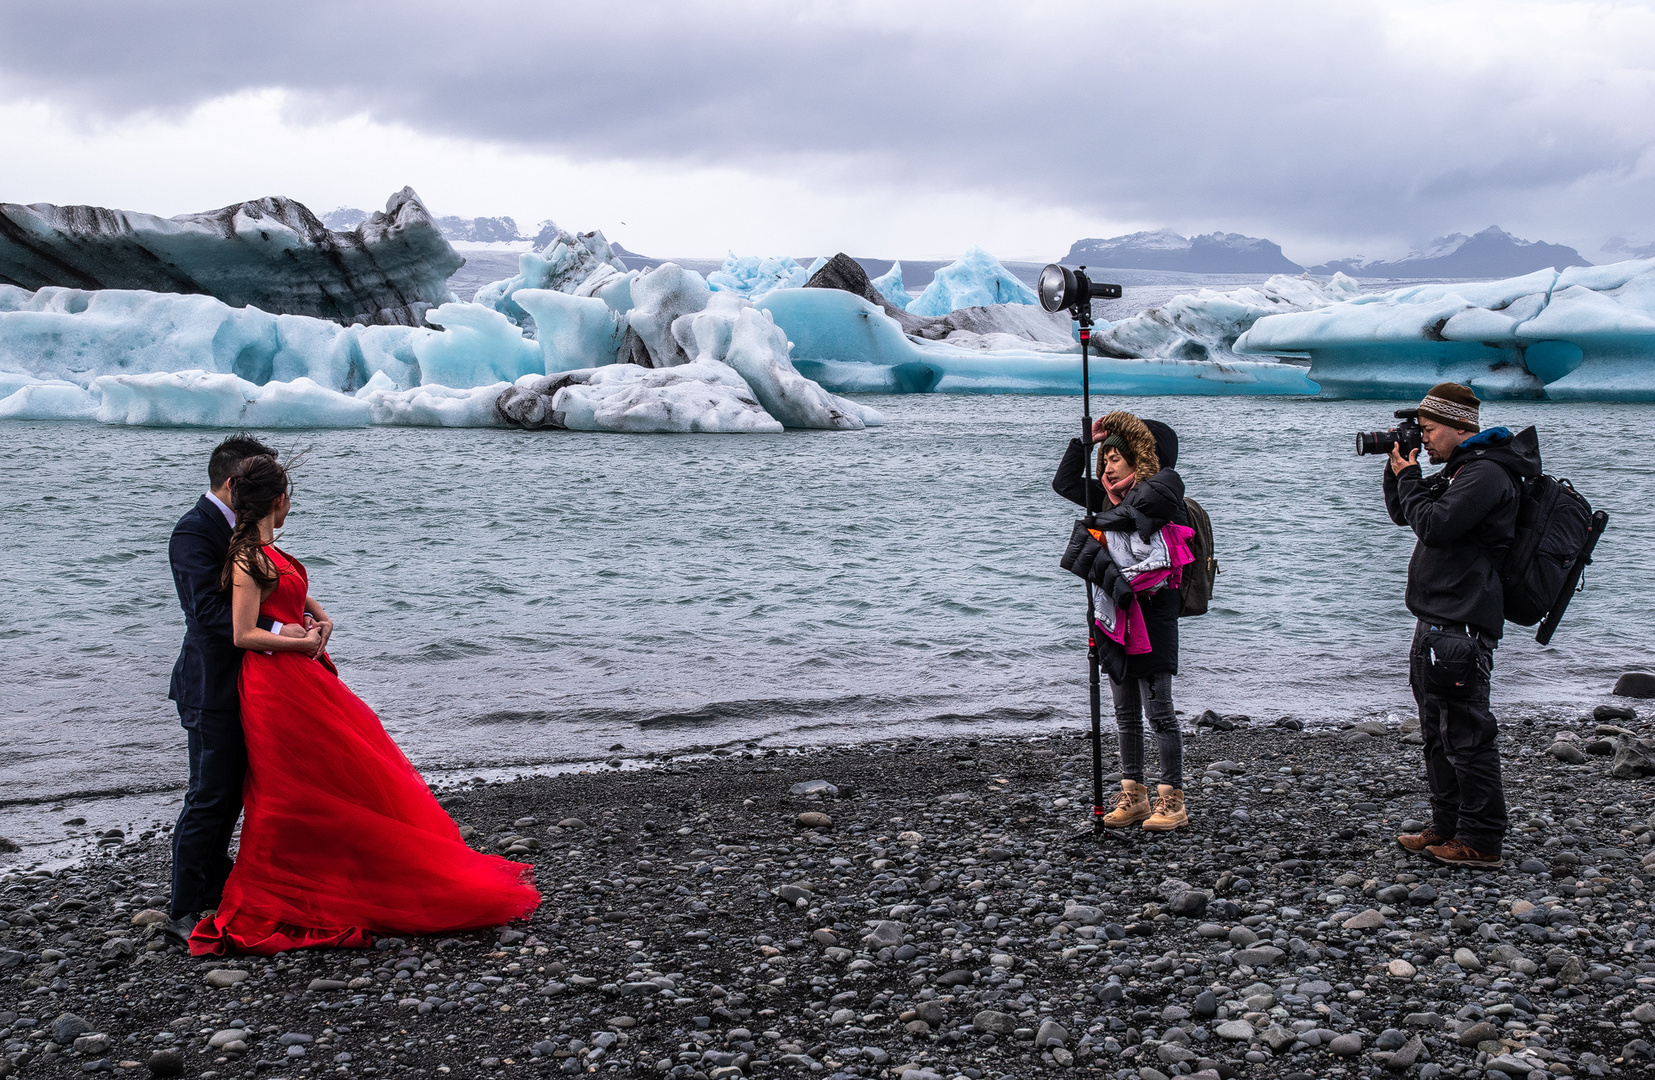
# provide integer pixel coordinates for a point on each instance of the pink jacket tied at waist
(1126, 627)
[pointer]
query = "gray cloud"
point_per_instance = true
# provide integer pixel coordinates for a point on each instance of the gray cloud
(1331, 128)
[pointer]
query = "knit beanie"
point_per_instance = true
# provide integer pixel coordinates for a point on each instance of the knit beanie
(1452, 404)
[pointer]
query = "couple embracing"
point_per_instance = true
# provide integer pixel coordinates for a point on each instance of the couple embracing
(342, 838)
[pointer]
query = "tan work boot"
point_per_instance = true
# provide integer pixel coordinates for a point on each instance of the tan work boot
(1419, 841)
(1169, 812)
(1130, 806)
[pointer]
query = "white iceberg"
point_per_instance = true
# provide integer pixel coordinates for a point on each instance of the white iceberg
(1587, 333)
(25, 398)
(975, 279)
(575, 263)
(217, 400)
(750, 277)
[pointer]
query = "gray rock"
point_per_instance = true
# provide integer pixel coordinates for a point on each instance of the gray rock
(1633, 758)
(1467, 959)
(1405, 1058)
(884, 932)
(1275, 1037)
(1235, 1030)
(1051, 1034)
(1347, 1045)
(1567, 752)
(68, 1027)
(1482, 1031)
(813, 787)
(1364, 920)
(1083, 915)
(1190, 905)
(1644, 1014)
(1259, 956)
(995, 1023)
(1636, 684)
(168, 1062)
(1242, 936)
(1611, 713)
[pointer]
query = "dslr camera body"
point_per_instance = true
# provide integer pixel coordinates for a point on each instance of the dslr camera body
(1406, 436)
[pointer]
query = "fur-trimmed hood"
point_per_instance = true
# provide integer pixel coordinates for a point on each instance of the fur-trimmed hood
(1145, 462)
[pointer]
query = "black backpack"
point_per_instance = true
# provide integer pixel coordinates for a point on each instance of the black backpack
(1196, 592)
(1556, 533)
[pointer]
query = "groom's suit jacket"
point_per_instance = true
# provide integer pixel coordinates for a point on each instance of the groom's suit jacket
(208, 670)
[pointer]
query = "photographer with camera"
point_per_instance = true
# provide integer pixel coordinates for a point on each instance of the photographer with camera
(1465, 517)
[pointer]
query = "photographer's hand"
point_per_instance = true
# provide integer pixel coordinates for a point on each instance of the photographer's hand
(1398, 462)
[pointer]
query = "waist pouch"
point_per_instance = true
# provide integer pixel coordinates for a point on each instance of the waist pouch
(1455, 664)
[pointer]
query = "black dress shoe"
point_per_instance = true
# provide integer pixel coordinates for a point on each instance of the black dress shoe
(179, 928)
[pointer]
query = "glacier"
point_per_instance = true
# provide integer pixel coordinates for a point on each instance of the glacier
(270, 253)
(1583, 333)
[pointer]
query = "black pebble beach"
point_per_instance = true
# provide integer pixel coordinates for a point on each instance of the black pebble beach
(923, 908)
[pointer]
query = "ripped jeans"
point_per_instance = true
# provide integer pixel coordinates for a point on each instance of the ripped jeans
(1133, 699)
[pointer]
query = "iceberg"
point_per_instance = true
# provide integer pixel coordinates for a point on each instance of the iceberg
(699, 397)
(1205, 325)
(848, 345)
(23, 398)
(975, 279)
(1586, 333)
(271, 253)
(576, 263)
(750, 277)
(889, 284)
(217, 400)
(481, 346)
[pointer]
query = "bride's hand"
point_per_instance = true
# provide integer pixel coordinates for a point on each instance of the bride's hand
(312, 642)
(326, 628)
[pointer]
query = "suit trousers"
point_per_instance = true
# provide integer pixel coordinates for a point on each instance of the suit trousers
(1462, 764)
(201, 840)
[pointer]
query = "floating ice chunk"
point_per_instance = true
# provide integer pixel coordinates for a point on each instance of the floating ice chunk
(975, 279)
(1204, 325)
(574, 331)
(567, 262)
(751, 277)
(891, 288)
(433, 406)
(1588, 332)
(697, 397)
(821, 261)
(847, 345)
(480, 347)
(210, 399)
(661, 296)
(736, 333)
(38, 400)
(271, 253)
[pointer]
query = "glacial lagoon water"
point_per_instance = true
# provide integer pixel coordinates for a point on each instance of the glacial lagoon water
(513, 600)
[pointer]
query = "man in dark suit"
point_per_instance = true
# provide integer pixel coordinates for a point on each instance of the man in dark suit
(205, 688)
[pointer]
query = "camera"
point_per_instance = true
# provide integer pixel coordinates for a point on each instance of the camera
(1406, 436)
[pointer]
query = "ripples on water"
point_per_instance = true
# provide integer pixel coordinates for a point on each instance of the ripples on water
(505, 598)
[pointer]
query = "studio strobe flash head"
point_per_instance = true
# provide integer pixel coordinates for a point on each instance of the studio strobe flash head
(1061, 288)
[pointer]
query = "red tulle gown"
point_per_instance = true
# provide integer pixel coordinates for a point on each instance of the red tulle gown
(342, 839)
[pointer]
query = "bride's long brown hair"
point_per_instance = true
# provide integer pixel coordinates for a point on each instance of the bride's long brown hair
(255, 485)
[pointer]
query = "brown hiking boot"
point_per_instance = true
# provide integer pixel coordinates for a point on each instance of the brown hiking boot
(1459, 853)
(1169, 813)
(1130, 806)
(1419, 841)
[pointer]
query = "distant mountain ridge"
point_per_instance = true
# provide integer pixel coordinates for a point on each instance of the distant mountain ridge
(1492, 253)
(482, 230)
(1163, 249)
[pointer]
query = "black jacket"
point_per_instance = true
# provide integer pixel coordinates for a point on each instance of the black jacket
(1147, 507)
(208, 670)
(1465, 517)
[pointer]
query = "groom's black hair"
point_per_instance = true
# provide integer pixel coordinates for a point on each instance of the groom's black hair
(232, 452)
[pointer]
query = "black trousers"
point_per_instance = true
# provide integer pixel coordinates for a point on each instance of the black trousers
(1462, 764)
(201, 839)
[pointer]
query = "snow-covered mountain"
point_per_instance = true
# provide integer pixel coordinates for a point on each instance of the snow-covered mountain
(482, 230)
(1163, 249)
(1492, 253)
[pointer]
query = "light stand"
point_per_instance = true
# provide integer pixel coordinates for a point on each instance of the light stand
(1062, 288)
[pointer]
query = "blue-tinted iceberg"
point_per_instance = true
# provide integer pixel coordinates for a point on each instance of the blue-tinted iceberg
(1587, 333)
(891, 288)
(846, 344)
(750, 277)
(975, 279)
(576, 263)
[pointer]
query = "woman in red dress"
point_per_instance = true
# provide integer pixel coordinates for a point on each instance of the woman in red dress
(342, 839)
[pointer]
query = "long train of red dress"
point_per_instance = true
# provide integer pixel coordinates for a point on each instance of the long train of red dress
(342, 839)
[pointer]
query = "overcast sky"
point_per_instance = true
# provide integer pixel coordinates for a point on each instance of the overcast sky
(890, 129)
